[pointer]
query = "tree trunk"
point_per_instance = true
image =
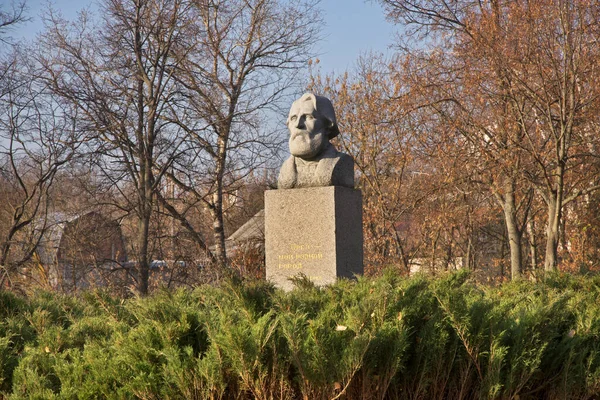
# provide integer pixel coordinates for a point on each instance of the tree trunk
(218, 227)
(532, 244)
(467, 263)
(6, 247)
(449, 251)
(514, 238)
(403, 256)
(217, 206)
(552, 236)
(515, 234)
(143, 261)
(17, 224)
(433, 249)
(555, 200)
(144, 189)
(145, 214)
(187, 226)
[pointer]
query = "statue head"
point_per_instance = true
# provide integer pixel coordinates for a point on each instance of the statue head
(312, 124)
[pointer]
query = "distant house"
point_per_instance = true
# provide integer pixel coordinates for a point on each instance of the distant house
(251, 233)
(83, 250)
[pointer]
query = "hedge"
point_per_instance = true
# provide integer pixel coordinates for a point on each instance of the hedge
(389, 337)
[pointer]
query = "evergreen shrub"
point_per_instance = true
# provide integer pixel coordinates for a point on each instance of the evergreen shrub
(373, 338)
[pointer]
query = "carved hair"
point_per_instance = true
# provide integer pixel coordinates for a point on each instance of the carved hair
(324, 108)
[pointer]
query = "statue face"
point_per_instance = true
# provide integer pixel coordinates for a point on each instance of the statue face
(308, 136)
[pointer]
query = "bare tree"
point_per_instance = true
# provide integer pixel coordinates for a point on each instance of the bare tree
(15, 15)
(246, 56)
(37, 139)
(119, 75)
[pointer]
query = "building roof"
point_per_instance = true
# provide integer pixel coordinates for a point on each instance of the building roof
(253, 229)
(53, 226)
(57, 224)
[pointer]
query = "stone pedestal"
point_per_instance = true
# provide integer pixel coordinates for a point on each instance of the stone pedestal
(314, 231)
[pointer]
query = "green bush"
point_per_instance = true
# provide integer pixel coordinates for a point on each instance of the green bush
(390, 337)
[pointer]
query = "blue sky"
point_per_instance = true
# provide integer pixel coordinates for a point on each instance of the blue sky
(352, 28)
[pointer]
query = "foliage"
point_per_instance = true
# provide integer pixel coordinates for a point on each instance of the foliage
(390, 337)
(474, 143)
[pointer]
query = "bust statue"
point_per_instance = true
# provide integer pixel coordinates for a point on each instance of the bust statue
(314, 161)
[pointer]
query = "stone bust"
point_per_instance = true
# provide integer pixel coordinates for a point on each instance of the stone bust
(314, 161)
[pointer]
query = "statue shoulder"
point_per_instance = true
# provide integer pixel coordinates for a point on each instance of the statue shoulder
(287, 174)
(343, 172)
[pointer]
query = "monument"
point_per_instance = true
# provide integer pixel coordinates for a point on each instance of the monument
(313, 221)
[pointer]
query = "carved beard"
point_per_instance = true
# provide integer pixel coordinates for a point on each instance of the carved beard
(307, 145)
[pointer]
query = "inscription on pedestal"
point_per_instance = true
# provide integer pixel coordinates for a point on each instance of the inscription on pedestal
(300, 259)
(313, 231)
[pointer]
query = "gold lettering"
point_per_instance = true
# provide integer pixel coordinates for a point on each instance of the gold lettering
(309, 256)
(290, 266)
(299, 247)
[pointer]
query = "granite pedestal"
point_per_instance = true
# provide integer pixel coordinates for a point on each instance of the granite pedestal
(314, 231)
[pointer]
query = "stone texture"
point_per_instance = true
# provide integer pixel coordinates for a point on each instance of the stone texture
(314, 231)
